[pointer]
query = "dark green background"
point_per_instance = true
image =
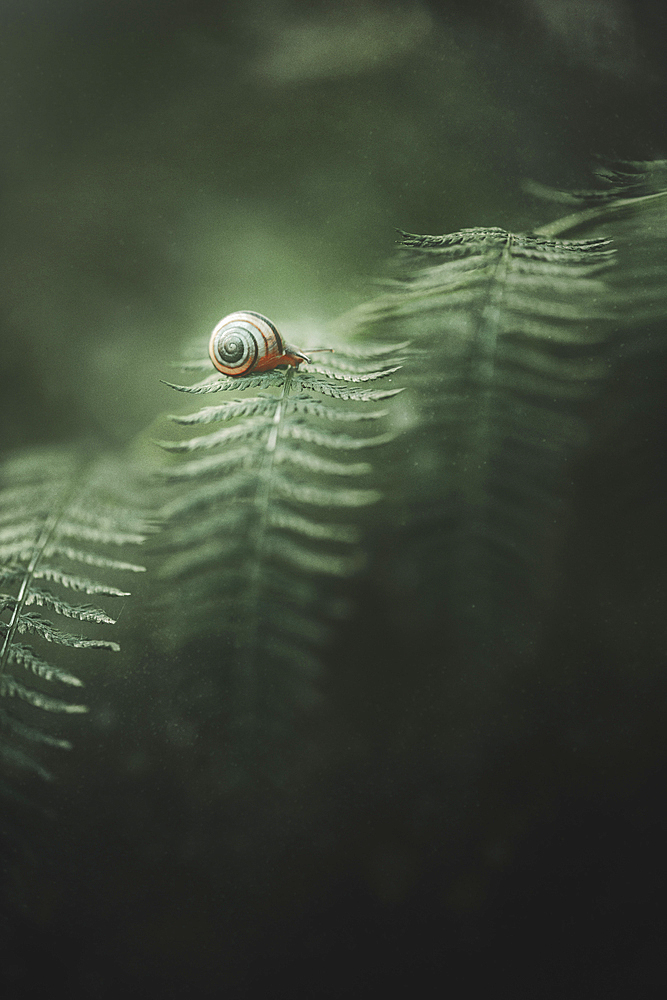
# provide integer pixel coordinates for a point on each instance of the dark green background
(165, 163)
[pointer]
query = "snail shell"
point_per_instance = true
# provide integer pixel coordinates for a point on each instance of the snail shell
(246, 342)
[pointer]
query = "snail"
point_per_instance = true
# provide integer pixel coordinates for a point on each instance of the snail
(246, 342)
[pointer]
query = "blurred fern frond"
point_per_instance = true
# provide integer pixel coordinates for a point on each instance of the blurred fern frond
(63, 516)
(629, 206)
(510, 339)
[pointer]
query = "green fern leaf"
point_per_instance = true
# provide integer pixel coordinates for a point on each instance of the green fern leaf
(334, 442)
(313, 408)
(349, 393)
(79, 583)
(54, 506)
(254, 562)
(324, 466)
(229, 410)
(309, 382)
(249, 428)
(45, 599)
(511, 334)
(223, 383)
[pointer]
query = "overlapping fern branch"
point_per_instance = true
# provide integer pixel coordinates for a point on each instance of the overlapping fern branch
(511, 333)
(62, 517)
(629, 206)
(266, 510)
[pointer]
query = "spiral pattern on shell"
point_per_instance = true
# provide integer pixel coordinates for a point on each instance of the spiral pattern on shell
(245, 341)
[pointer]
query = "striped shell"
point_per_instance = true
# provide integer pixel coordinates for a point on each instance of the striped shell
(246, 342)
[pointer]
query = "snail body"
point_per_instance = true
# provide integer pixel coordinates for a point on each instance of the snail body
(246, 342)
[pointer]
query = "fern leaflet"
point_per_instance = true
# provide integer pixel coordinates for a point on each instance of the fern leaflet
(629, 206)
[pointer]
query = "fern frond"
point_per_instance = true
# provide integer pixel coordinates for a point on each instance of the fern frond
(510, 332)
(49, 502)
(261, 524)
